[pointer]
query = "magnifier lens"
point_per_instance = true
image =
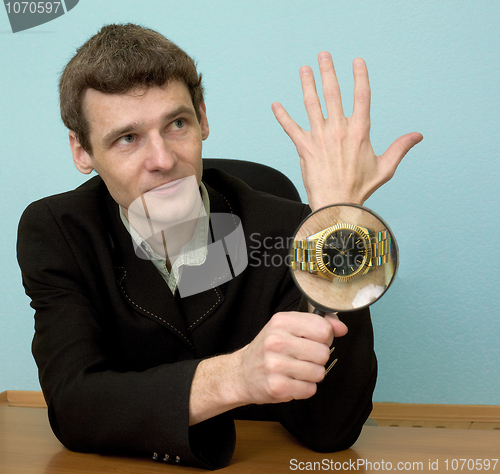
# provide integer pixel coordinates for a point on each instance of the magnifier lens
(343, 258)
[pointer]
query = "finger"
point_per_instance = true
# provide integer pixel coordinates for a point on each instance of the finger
(300, 370)
(282, 388)
(331, 88)
(339, 328)
(303, 390)
(362, 93)
(303, 325)
(311, 99)
(390, 160)
(287, 123)
(312, 327)
(307, 350)
(308, 372)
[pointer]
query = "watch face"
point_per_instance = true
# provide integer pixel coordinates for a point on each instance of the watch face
(345, 252)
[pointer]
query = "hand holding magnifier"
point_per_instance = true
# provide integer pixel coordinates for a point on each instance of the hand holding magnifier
(343, 258)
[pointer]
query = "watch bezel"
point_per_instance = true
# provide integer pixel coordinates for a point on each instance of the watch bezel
(361, 270)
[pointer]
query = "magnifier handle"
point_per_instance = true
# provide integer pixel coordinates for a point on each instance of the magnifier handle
(317, 311)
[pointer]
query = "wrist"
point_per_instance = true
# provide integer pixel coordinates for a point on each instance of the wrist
(316, 203)
(216, 387)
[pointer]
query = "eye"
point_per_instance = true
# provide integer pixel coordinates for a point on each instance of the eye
(178, 123)
(127, 139)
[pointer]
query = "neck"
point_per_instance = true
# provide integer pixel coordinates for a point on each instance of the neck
(169, 233)
(169, 242)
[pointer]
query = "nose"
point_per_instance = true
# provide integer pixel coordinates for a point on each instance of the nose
(159, 154)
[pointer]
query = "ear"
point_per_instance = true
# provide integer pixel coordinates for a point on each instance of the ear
(203, 121)
(83, 161)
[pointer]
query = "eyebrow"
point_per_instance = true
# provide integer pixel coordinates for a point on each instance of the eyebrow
(117, 132)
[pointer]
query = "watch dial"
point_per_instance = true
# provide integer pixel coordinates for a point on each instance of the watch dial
(344, 252)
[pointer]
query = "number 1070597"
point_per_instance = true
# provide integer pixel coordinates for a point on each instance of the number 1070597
(32, 7)
(470, 464)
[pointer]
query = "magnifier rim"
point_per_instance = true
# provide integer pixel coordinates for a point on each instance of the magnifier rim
(394, 246)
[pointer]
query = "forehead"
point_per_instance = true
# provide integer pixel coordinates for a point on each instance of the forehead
(104, 110)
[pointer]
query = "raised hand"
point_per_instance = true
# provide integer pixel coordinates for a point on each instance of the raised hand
(336, 156)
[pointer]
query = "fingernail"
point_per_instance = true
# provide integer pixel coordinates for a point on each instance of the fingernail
(358, 62)
(323, 56)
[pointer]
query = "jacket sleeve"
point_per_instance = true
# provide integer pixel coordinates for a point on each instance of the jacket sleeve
(332, 419)
(93, 406)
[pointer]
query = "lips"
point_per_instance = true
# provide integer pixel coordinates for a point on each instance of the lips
(167, 189)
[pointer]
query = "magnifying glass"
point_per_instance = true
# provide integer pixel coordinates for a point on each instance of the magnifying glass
(343, 258)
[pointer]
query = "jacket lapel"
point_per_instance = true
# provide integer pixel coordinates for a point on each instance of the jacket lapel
(140, 282)
(198, 307)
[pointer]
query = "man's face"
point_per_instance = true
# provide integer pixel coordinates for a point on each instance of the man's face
(143, 139)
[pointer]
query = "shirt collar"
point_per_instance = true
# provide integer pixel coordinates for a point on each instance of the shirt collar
(192, 253)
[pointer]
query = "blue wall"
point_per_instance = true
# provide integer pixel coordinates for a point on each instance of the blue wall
(434, 68)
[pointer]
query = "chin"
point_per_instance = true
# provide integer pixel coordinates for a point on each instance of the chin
(163, 212)
(176, 211)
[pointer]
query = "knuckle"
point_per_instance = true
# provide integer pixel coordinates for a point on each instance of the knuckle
(278, 320)
(310, 101)
(332, 95)
(307, 391)
(363, 95)
(361, 131)
(324, 355)
(319, 373)
(387, 176)
(403, 150)
(274, 343)
(273, 365)
(325, 332)
(278, 388)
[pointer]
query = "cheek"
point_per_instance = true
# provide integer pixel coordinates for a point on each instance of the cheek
(121, 195)
(121, 186)
(192, 158)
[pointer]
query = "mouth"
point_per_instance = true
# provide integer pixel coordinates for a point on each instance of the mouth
(167, 189)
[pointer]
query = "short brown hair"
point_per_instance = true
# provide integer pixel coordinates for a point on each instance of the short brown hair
(117, 59)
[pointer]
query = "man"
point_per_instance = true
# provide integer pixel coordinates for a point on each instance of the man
(126, 364)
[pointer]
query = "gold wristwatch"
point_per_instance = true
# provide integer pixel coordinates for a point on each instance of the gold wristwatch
(342, 252)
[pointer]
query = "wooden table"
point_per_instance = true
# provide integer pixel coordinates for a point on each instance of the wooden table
(27, 446)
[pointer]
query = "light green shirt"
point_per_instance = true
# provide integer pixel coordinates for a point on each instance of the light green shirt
(193, 253)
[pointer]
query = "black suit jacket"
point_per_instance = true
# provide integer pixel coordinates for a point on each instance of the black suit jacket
(116, 351)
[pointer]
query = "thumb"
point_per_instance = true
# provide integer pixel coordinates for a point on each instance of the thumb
(399, 148)
(339, 328)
